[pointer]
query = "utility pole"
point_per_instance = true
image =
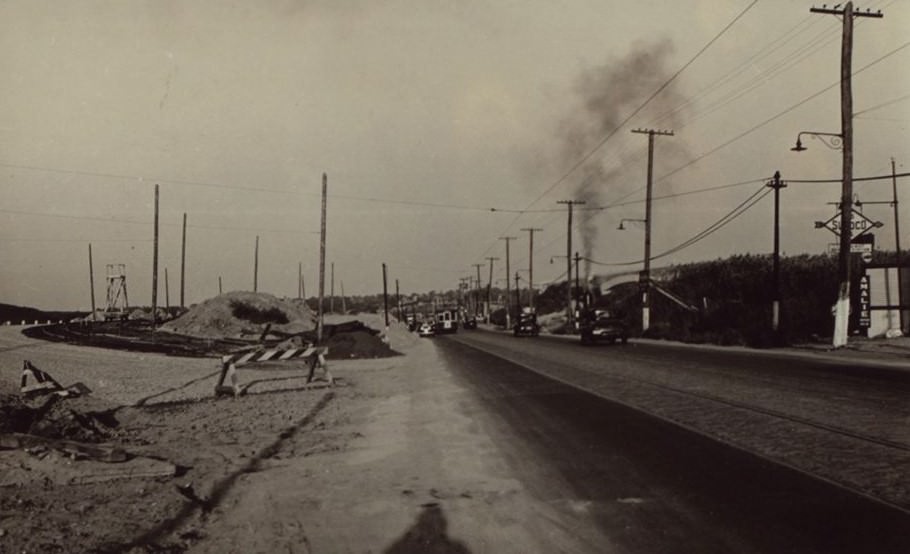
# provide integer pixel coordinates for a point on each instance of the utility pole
(645, 295)
(299, 280)
(167, 294)
(508, 292)
(477, 291)
(776, 184)
(570, 203)
(842, 307)
(577, 287)
(490, 289)
(517, 296)
(91, 279)
(531, 231)
(344, 305)
(183, 263)
(219, 285)
(332, 289)
(398, 299)
(256, 266)
(385, 298)
(897, 242)
(321, 315)
(155, 266)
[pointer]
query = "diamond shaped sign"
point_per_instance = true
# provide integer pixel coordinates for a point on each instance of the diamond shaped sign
(859, 224)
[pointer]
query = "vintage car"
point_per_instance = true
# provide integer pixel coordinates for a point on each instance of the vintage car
(526, 325)
(427, 329)
(602, 326)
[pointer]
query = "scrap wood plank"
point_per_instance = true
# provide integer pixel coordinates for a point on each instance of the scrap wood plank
(100, 452)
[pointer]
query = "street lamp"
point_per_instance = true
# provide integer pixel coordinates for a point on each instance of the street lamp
(843, 142)
(834, 141)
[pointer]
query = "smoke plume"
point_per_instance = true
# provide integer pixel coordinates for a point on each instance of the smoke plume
(607, 95)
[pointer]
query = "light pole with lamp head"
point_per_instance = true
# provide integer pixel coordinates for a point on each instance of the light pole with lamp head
(836, 141)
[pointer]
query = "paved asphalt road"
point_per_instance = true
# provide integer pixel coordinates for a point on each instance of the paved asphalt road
(653, 486)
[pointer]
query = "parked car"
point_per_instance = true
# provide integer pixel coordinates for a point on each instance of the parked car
(526, 325)
(470, 322)
(427, 329)
(602, 326)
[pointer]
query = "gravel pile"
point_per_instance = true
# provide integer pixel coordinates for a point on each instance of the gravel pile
(241, 314)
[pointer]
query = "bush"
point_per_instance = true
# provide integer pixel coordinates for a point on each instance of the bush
(256, 315)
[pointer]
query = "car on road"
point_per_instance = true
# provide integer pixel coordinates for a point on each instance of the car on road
(603, 326)
(469, 322)
(526, 325)
(427, 329)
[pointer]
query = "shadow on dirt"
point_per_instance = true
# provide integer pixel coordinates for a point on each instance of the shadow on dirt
(150, 538)
(428, 535)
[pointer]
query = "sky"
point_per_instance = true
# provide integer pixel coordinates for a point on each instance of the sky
(442, 127)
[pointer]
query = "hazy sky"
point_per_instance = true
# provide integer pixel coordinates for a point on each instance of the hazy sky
(425, 116)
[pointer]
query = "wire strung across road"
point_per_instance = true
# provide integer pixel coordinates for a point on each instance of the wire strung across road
(744, 206)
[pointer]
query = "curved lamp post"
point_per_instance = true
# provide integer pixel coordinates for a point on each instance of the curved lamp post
(834, 141)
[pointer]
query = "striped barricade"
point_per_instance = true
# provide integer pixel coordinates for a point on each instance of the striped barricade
(227, 382)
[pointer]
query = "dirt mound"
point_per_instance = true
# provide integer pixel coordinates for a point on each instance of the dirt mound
(358, 344)
(242, 315)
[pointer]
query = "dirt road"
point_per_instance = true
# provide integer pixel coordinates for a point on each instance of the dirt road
(394, 461)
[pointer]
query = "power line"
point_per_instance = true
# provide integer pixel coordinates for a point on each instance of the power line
(141, 222)
(876, 178)
(144, 180)
(653, 95)
(711, 229)
(773, 118)
(882, 105)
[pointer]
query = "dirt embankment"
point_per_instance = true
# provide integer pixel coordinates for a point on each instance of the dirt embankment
(143, 473)
(242, 314)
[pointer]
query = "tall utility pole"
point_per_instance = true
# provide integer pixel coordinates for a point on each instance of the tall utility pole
(256, 266)
(398, 299)
(897, 241)
(490, 289)
(385, 298)
(167, 293)
(220, 291)
(577, 287)
(570, 203)
(299, 280)
(477, 292)
(531, 231)
(508, 291)
(155, 266)
(776, 184)
(645, 295)
(183, 263)
(332, 289)
(91, 279)
(517, 296)
(842, 308)
(344, 306)
(320, 313)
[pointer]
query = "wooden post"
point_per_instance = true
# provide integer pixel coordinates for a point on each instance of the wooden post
(183, 263)
(256, 266)
(320, 312)
(91, 279)
(155, 265)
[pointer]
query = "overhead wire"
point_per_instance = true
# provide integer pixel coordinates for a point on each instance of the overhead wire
(584, 158)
